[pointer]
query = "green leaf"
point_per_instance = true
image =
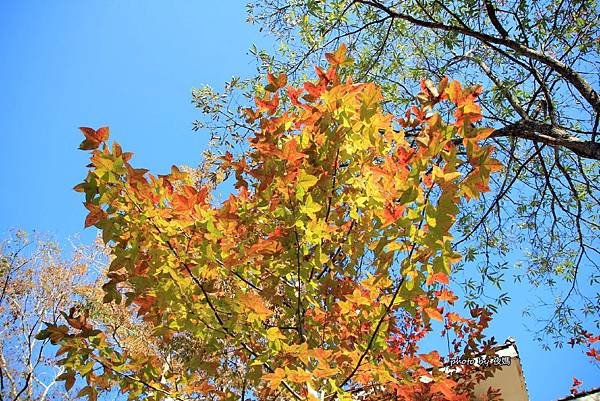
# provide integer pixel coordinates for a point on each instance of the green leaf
(304, 183)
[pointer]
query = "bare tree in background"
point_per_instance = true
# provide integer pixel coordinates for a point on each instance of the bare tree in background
(37, 283)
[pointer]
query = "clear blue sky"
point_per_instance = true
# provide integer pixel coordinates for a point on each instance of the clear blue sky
(132, 65)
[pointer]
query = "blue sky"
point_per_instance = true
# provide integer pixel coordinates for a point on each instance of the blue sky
(132, 65)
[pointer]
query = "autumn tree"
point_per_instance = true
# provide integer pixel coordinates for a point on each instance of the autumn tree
(538, 61)
(316, 278)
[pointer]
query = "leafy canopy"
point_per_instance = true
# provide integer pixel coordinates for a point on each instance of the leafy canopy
(538, 60)
(316, 278)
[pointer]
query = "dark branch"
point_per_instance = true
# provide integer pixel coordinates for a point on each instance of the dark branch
(551, 135)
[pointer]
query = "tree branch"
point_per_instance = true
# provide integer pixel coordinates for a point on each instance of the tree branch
(551, 135)
(568, 73)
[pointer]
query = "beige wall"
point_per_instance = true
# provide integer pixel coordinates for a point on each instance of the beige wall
(508, 379)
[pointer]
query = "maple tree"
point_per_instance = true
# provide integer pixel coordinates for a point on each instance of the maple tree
(538, 61)
(316, 279)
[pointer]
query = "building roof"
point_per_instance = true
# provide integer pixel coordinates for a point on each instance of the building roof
(589, 395)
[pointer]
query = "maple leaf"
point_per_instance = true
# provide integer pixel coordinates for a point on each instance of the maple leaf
(95, 215)
(294, 94)
(575, 386)
(275, 378)
(299, 376)
(434, 313)
(144, 303)
(437, 278)
(276, 83)
(291, 154)
(255, 305)
(274, 334)
(446, 387)
(446, 295)
(391, 213)
(267, 103)
(338, 57)
(433, 358)
(593, 353)
(305, 182)
(93, 138)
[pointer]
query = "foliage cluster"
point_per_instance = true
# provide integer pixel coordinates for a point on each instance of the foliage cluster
(317, 279)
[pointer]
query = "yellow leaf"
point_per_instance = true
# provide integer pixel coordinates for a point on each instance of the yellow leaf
(310, 207)
(430, 216)
(274, 334)
(304, 183)
(442, 177)
(316, 230)
(358, 299)
(454, 91)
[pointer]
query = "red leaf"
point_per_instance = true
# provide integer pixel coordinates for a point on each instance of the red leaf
(102, 134)
(593, 353)
(314, 91)
(404, 156)
(576, 383)
(144, 302)
(294, 94)
(93, 138)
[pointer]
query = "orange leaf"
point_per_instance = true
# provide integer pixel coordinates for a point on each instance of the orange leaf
(251, 115)
(454, 92)
(294, 94)
(338, 57)
(434, 313)
(93, 138)
(290, 152)
(446, 387)
(96, 214)
(299, 376)
(446, 295)
(276, 83)
(432, 358)
(275, 378)
(437, 278)
(255, 304)
(391, 214)
(323, 371)
(267, 103)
